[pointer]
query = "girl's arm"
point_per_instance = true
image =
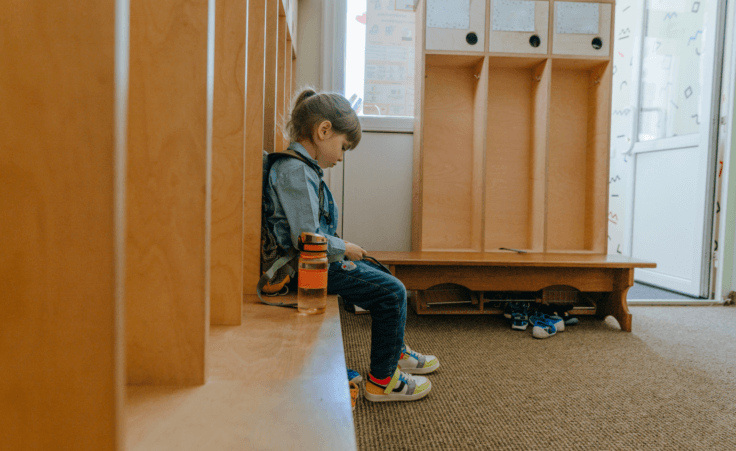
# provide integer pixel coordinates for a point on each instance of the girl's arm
(297, 188)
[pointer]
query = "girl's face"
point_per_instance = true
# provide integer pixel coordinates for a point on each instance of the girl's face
(330, 145)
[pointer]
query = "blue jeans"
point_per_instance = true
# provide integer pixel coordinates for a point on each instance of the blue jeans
(368, 286)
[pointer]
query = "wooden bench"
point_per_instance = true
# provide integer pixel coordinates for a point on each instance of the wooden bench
(277, 381)
(607, 278)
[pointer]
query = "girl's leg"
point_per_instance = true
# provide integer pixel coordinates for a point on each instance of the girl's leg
(365, 285)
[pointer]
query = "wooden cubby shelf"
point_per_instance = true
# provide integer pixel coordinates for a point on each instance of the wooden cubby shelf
(511, 151)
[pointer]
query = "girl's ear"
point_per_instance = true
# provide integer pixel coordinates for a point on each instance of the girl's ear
(324, 129)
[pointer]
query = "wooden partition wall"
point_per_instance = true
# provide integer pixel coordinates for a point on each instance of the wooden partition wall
(168, 189)
(271, 74)
(512, 129)
(130, 197)
(62, 165)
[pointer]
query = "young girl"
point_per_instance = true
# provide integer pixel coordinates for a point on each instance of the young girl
(321, 128)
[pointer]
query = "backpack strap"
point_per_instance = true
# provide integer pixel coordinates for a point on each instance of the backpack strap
(268, 275)
(283, 261)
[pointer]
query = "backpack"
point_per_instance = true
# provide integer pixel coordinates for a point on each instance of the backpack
(278, 265)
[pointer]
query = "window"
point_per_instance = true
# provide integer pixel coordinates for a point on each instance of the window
(379, 56)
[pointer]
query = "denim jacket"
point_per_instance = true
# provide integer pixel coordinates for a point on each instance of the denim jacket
(293, 189)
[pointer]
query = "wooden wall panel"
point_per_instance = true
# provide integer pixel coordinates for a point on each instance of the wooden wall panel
(508, 158)
(167, 311)
(271, 74)
(61, 225)
(289, 77)
(449, 208)
(254, 120)
(280, 86)
(226, 282)
(597, 170)
(567, 160)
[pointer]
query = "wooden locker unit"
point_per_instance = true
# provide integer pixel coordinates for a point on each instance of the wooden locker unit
(529, 142)
(511, 153)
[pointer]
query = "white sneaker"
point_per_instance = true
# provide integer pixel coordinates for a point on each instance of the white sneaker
(413, 362)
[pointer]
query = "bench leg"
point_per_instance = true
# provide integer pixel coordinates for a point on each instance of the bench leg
(616, 304)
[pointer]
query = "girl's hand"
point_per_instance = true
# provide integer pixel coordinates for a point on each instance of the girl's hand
(354, 252)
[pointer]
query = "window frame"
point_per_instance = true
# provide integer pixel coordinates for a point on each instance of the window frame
(334, 21)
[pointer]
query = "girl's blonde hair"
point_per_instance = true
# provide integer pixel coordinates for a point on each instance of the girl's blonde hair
(311, 108)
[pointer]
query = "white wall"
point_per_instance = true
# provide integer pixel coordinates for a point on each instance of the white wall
(309, 41)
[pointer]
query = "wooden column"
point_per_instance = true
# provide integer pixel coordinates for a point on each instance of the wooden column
(288, 92)
(271, 74)
(280, 85)
(254, 120)
(226, 283)
(167, 311)
(62, 150)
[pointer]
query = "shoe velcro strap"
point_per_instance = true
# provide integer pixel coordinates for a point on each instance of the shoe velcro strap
(392, 384)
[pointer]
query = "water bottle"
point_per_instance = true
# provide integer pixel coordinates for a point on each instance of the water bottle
(312, 295)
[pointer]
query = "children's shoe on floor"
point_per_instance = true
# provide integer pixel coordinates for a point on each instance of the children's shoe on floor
(543, 329)
(413, 362)
(519, 315)
(399, 387)
(354, 376)
(552, 319)
(354, 392)
(569, 320)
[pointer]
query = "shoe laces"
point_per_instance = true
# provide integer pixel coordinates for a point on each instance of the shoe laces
(406, 378)
(412, 352)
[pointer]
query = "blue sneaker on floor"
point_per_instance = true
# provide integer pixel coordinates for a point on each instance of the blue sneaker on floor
(519, 313)
(554, 320)
(543, 329)
(354, 376)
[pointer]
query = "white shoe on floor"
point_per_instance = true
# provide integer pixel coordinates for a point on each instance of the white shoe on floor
(413, 362)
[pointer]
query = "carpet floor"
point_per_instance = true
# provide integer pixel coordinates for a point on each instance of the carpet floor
(670, 384)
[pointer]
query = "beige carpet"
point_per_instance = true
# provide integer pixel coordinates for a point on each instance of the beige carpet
(668, 385)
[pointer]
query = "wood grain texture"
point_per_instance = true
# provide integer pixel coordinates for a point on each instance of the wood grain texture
(543, 259)
(271, 75)
(567, 166)
(508, 158)
(503, 278)
(538, 164)
(281, 87)
(448, 152)
(288, 82)
(599, 141)
(277, 381)
(226, 271)
(478, 175)
(61, 336)
(253, 148)
(167, 311)
(417, 191)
